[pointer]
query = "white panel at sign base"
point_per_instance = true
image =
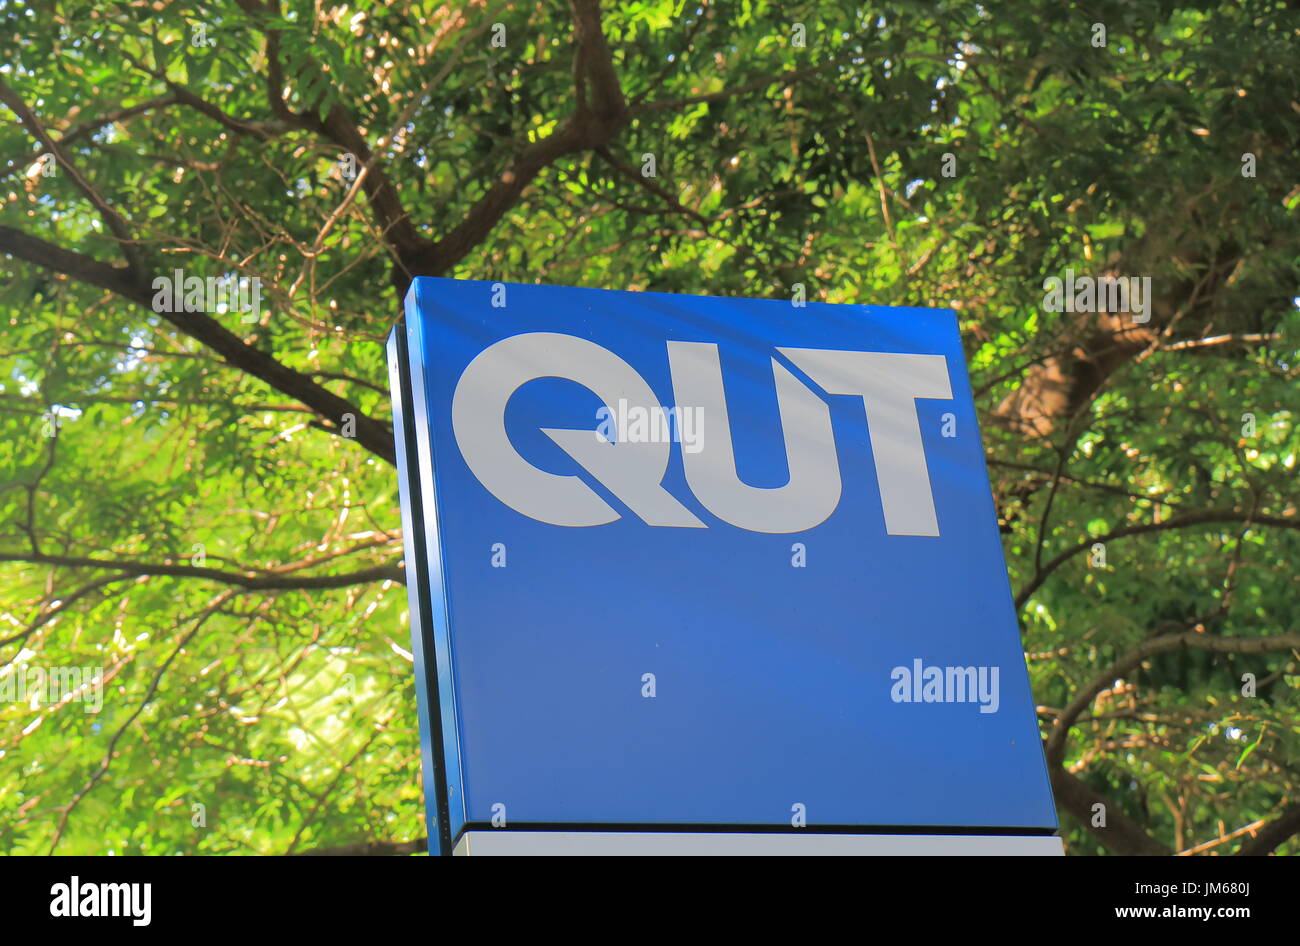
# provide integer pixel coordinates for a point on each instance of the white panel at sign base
(680, 844)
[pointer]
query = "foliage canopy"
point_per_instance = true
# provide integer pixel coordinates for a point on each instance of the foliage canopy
(183, 503)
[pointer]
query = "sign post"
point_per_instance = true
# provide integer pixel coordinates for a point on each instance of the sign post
(702, 575)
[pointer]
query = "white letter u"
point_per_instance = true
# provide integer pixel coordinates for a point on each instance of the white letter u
(813, 490)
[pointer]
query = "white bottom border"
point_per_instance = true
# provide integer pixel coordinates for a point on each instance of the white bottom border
(506, 843)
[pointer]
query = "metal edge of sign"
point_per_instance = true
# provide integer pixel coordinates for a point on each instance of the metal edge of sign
(412, 542)
(433, 568)
(433, 764)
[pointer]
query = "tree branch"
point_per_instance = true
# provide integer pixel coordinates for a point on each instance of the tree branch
(1120, 835)
(399, 234)
(115, 222)
(598, 117)
(370, 849)
(64, 602)
(263, 582)
(629, 172)
(185, 96)
(780, 79)
(1157, 645)
(372, 434)
(1187, 520)
(110, 754)
(1280, 829)
(82, 129)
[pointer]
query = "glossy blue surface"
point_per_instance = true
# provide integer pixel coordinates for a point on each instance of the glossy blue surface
(773, 682)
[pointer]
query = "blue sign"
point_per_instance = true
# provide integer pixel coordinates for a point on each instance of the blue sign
(696, 562)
